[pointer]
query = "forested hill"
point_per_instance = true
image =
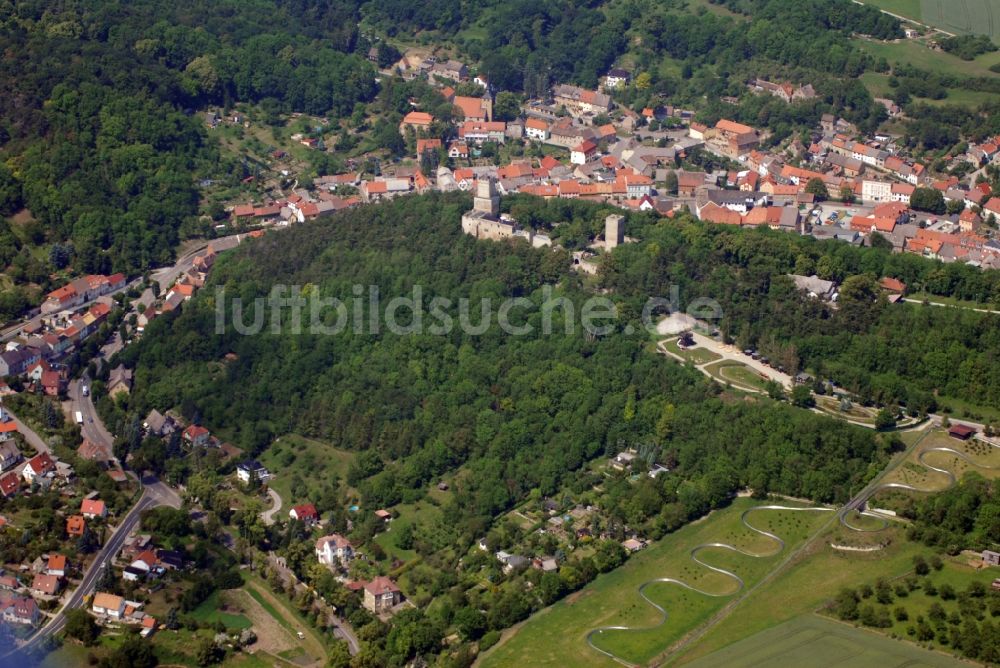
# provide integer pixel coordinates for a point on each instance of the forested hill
(98, 136)
(518, 412)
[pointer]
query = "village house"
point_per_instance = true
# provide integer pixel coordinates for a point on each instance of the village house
(45, 585)
(580, 100)
(305, 512)
(108, 605)
(20, 610)
(991, 558)
(38, 466)
(119, 381)
(784, 91)
(478, 132)
(9, 484)
(474, 108)
(617, 77)
(251, 470)
(157, 424)
(91, 508)
(10, 455)
(731, 139)
(583, 152)
(416, 121)
(536, 129)
(76, 525)
(381, 595)
(450, 69)
(196, 436)
(56, 565)
(17, 362)
(334, 550)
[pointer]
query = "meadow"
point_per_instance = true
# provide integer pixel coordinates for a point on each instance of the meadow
(557, 635)
(813, 642)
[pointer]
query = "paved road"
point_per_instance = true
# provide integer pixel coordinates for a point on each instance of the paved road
(11, 331)
(268, 515)
(342, 629)
(33, 439)
(166, 276)
(93, 428)
(154, 494)
(732, 353)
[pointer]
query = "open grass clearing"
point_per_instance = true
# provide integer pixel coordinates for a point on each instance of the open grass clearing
(810, 641)
(313, 462)
(556, 636)
(221, 607)
(737, 374)
(696, 354)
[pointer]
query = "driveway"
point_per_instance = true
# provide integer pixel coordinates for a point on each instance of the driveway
(268, 515)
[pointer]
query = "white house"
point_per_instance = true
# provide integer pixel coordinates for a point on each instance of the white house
(251, 470)
(876, 191)
(617, 77)
(536, 129)
(582, 152)
(334, 549)
(108, 604)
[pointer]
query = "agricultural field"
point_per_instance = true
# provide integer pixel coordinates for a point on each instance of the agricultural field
(557, 635)
(960, 17)
(810, 641)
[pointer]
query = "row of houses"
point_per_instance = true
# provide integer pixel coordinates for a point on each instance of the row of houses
(82, 290)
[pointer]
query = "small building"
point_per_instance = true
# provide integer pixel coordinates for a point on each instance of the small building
(119, 381)
(196, 435)
(56, 565)
(991, 558)
(334, 549)
(962, 432)
(76, 525)
(304, 513)
(38, 466)
(623, 460)
(9, 454)
(108, 604)
(381, 595)
(91, 508)
(251, 470)
(45, 585)
(20, 610)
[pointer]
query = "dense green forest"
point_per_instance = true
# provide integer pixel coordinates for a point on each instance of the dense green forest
(514, 416)
(98, 136)
(965, 517)
(902, 354)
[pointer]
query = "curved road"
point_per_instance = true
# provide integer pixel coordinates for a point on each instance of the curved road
(268, 515)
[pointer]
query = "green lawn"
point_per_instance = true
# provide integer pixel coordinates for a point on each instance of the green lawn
(739, 375)
(950, 301)
(557, 635)
(695, 354)
(813, 642)
(210, 611)
(282, 611)
(313, 461)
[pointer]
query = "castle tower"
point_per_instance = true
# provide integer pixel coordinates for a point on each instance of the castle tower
(487, 200)
(614, 231)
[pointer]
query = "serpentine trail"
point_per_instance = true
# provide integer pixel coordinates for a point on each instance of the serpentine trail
(858, 503)
(861, 501)
(694, 557)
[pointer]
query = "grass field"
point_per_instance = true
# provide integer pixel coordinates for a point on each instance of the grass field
(831, 406)
(211, 611)
(813, 642)
(908, 8)
(695, 354)
(557, 635)
(739, 375)
(815, 577)
(313, 461)
(919, 55)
